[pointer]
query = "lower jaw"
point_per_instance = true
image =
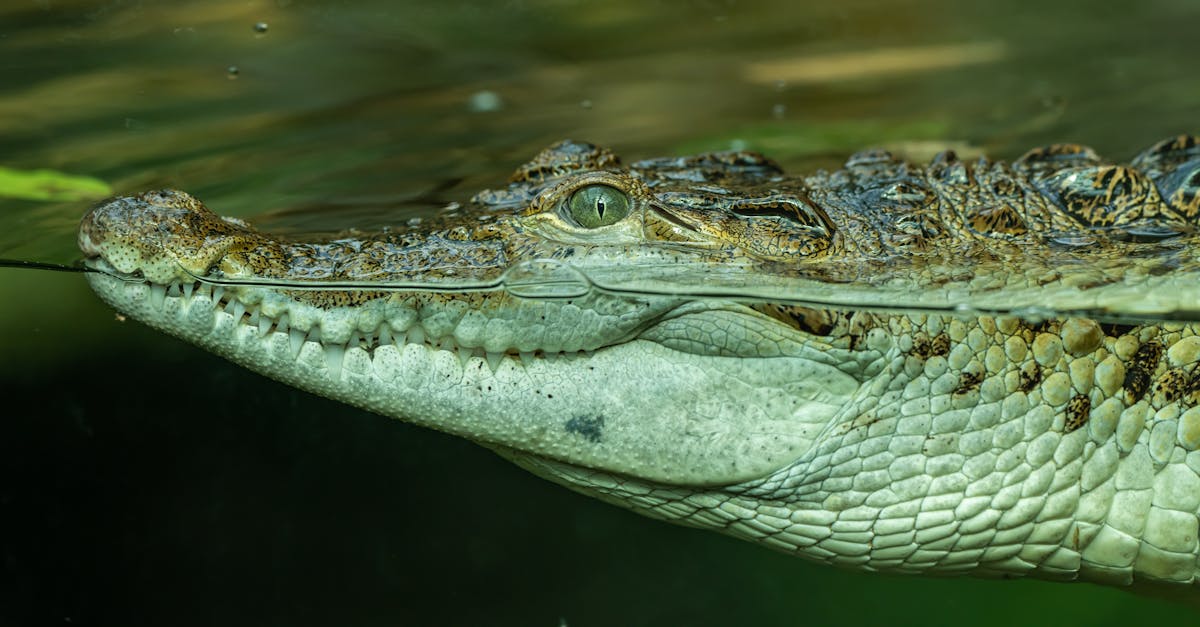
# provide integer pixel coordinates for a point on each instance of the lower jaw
(664, 418)
(209, 316)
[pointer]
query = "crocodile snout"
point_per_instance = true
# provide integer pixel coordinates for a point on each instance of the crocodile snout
(157, 233)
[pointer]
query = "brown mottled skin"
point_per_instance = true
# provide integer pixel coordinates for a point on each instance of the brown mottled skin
(1056, 210)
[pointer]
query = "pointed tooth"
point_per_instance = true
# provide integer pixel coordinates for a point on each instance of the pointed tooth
(334, 354)
(464, 355)
(526, 357)
(264, 324)
(217, 292)
(174, 290)
(238, 310)
(493, 360)
(385, 334)
(297, 339)
(282, 325)
(551, 357)
(314, 335)
(416, 334)
(158, 294)
(188, 288)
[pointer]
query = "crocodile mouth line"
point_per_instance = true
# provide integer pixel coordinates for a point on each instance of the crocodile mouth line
(173, 302)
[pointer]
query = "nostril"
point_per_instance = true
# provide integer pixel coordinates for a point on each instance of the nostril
(91, 229)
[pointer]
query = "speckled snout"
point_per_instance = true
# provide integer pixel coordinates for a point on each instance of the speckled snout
(164, 234)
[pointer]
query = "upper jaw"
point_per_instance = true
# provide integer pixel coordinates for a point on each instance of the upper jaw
(341, 292)
(169, 236)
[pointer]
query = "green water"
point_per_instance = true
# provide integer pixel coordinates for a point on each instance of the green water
(143, 482)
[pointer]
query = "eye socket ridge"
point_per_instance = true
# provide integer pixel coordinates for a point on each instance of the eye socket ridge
(596, 205)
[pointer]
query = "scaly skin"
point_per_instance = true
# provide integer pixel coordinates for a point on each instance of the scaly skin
(980, 369)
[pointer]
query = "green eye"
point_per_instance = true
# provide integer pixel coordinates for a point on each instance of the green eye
(598, 205)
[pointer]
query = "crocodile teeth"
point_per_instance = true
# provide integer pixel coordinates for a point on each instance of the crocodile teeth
(217, 293)
(174, 290)
(416, 335)
(464, 355)
(282, 325)
(526, 357)
(385, 335)
(493, 360)
(158, 295)
(297, 340)
(238, 310)
(334, 355)
(264, 323)
(187, 289)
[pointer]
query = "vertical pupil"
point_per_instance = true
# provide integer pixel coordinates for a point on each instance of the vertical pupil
(600, 206)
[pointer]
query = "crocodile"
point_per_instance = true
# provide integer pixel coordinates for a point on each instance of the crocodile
(960, 367)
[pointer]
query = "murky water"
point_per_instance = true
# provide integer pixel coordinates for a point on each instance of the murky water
(146, 482)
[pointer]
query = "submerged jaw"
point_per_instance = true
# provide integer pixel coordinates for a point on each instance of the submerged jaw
(670, 393)
(458, 325)
(343, 292)
(639, 408)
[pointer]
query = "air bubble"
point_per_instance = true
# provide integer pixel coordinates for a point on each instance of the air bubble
(485, 102)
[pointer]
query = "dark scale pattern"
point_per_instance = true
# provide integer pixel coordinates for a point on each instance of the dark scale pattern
(1031, 376)
(924, 347)
(1171, 386)
(1078, 410)
(1191, 392)
(1108, 196)
(1140, 372)
(968, 382)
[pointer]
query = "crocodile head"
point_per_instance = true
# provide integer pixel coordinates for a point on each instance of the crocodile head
(818, 363)
(485, 323)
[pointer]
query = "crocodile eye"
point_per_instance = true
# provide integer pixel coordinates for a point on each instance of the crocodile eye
(597, 205)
